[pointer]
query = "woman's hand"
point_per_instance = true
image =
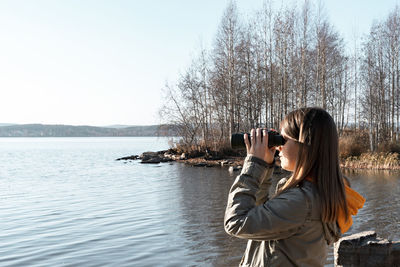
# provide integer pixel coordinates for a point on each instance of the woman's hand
(259, 145)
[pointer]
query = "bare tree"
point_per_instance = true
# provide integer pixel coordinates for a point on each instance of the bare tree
(226, 71)
(277, 61)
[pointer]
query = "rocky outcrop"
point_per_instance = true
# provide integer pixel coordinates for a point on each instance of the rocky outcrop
(151, 157)
(154, 157)
(194, 158)
(366, 249)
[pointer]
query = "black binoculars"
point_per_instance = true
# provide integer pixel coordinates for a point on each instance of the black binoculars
(274, 139)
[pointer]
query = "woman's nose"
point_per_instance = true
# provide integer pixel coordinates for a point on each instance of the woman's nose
(279, 148)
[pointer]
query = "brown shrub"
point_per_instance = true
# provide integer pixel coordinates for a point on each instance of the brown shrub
(394, 147)
(353, 144)
(391, 147)
(348, 147)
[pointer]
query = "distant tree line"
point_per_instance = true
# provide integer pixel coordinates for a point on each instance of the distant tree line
(40, 130)
(261, 68)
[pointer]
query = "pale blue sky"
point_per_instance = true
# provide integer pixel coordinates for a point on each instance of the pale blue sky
(97, 62)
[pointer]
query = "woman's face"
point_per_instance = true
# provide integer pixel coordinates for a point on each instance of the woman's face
(288, 153)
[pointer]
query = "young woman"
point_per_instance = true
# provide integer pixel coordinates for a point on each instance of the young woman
(309, 210)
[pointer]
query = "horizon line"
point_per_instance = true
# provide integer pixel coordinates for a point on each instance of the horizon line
(77, 125)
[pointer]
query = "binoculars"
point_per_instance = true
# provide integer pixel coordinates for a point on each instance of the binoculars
(274, 139)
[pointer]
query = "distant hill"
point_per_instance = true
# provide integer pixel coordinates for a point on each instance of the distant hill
(118, 126)
(42, 130)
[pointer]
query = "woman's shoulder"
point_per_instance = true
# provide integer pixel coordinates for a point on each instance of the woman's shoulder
(307, 191)
(291, 204)
(305, 185)
(292, 196)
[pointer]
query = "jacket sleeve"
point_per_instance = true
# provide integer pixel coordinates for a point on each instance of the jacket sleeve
(262, 193)
(277, 218)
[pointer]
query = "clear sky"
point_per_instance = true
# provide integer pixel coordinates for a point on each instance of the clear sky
(98, 62)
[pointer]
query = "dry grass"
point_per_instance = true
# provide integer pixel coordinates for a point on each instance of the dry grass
(379, 160)
(354, 152)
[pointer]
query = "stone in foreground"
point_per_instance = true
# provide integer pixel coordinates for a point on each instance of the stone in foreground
(367, 250)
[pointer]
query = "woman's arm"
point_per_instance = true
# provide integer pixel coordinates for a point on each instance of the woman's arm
(262, 194)
(277, 218)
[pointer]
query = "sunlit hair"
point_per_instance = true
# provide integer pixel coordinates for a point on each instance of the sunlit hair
(315, 132)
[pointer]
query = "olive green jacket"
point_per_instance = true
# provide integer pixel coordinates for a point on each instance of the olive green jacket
(282, 231)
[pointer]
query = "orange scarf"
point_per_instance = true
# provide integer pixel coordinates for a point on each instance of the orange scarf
(354, 202)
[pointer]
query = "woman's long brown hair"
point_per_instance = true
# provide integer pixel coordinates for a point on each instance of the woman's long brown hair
(318, 158)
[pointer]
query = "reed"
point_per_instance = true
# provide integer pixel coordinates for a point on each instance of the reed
(373, 160)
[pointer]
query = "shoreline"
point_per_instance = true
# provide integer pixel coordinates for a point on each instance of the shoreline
(238, 162)
(366, 161)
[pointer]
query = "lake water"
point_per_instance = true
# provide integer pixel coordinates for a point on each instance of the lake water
(68, 202)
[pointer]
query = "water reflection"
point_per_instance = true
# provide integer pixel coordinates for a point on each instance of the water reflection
(204, 194)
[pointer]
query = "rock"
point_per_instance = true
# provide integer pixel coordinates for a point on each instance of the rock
(169, 156)
(162, 152)
(224, 162)
(183, 156)
(154, 157)
(147, 155)
(132, 157)
(154, 160)
(165, 159)
(234, 168)
(366, 249)
(200, 164)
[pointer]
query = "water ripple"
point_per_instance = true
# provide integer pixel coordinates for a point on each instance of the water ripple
(67, 202)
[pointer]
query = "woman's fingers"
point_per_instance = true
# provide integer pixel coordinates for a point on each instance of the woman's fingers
(258, 145)
(258, 136)
(265, 138)
(253, 137)
(246, 142)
